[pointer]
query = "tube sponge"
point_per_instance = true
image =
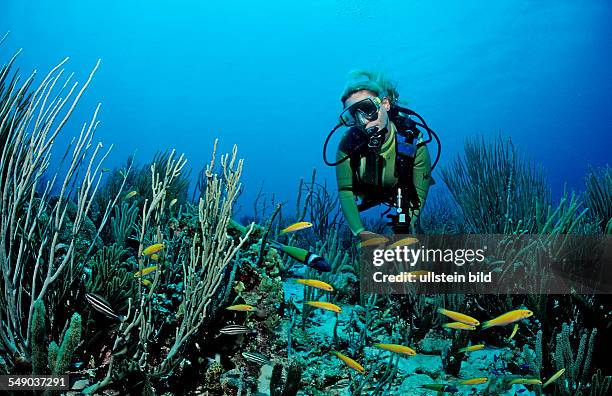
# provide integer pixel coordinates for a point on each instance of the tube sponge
(71, 340)
(38, 334)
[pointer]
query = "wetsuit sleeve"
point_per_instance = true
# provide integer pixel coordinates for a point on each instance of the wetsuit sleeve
(344, 177)
(422, 174)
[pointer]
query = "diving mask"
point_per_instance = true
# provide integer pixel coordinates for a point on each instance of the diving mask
(362, 112)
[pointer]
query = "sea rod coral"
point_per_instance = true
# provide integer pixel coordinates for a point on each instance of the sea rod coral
(37, 245)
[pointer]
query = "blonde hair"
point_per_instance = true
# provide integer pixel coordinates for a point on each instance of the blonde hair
(359, 80)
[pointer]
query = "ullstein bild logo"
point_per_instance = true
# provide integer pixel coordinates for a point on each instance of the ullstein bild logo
(431, 276)
(488, 264)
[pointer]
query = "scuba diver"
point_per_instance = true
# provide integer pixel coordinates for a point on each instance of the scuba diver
(382, 158)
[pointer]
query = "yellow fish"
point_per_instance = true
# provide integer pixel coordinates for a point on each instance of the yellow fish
(173, 202)
(472, 348)
(146, 282)
(507, 318)
(242, 308)
(526, 381)
(474, 381)
(374, 241)
(155, 256)
(459, 326)
(403, 242)
(404, 350)
(153, 249)
(300, 225)
(514, 330)
(317, 284)
(145, 271)
(554, 377)
(324, 305)
(130, 194)
(459, 317)
(350, 362)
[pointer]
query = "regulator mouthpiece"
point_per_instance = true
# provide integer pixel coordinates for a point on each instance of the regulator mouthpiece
(376, 137)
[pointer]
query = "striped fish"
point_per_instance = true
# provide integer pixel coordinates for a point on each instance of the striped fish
(101, 305)
(236, 330)
(256, 357)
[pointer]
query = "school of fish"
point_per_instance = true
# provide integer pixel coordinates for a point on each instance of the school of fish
(460, 321)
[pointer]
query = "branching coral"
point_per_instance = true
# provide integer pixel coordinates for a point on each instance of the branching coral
(212, 250)
(599, 197)
(576, 362)
(321, 206)
(203, 271)
(491, 171)
(176, 189)
(32, 255)
(600, 385)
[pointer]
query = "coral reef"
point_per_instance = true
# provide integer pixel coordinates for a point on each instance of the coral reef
(117, 278)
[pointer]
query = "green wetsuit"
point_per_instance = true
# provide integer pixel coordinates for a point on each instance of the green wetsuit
(386, 176)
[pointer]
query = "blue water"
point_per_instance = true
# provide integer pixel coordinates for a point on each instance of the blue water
(267, 75)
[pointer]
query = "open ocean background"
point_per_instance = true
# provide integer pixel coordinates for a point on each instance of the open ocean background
(267, 76)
